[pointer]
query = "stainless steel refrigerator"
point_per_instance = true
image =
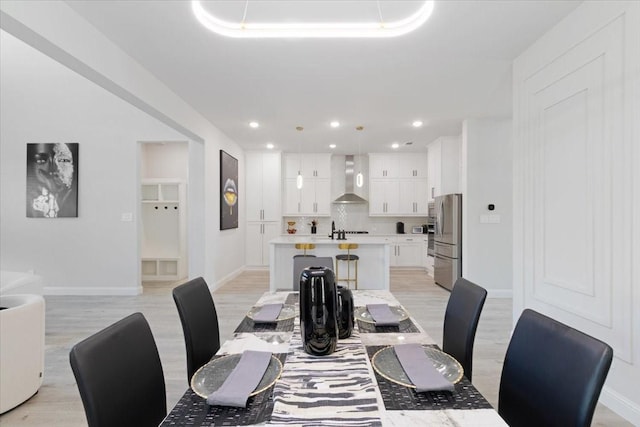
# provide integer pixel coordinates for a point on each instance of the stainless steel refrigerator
(447, 265)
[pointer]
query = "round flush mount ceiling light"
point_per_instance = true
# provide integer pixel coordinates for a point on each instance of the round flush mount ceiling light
(334, 124)
(395, 145)
(380, 29)
(270, 146)
(254, 125)
(417, 124)
(332, 145)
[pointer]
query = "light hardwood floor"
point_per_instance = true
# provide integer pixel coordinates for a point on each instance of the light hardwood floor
(69, 319)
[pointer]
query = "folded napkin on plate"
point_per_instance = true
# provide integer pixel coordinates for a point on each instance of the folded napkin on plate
(420, 369)
(382, 315)
(242, 380)
(268, 313)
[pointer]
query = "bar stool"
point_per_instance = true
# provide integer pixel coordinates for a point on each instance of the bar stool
(305, 247)
(348, 257)
(297, 267)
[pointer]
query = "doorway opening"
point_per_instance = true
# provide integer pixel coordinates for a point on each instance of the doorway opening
(164, 173)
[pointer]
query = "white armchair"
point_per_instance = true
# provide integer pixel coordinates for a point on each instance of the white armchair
(21, 348)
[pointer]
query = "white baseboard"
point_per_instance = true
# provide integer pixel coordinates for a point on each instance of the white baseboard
(499, 293)
(223, 281)
(95, 291)
(620, 405)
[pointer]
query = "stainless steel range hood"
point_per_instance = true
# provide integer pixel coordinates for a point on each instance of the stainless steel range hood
(349, 197)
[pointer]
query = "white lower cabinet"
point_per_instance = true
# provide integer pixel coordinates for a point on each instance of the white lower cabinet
(258, 236)
(407, 251)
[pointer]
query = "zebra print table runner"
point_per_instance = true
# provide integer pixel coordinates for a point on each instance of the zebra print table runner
(334, 390)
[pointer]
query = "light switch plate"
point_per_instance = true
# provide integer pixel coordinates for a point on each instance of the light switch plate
(126, 217)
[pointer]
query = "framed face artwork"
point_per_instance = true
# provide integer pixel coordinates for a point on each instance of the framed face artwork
(52, 180)
(228, 191)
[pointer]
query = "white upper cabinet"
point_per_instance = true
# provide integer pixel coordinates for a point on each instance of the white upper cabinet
(263, 186)
(383, 165)
(413, 197)
(398, 184)
(314, 198)
(412, 165)
(443, 166)
(310, 165)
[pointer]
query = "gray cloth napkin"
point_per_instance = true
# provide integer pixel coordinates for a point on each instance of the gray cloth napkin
(241, 382)
(268, 313)
(382, 315)
(420, 369)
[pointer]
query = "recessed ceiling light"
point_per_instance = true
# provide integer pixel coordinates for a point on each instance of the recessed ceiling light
(417, 124)
(332, 145)
(287, 29)
(254, 124)
(395, 145)
(270, 146)
(335, 124)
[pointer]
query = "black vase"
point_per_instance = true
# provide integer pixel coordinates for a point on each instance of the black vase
(313, 229)
(318, 311)
(345, 312)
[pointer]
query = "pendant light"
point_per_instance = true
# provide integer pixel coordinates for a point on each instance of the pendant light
(299, 179)
(359, 176)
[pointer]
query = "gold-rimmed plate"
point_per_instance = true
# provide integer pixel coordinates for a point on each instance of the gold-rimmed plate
(361, 313)
(211, 376)
(386, 364)
(287, 312)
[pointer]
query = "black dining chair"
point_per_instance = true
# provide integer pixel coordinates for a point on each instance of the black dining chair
(119, 375)
(461, 322)
(552, 374)
(199, 323)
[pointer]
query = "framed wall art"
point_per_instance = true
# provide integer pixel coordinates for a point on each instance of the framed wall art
(228, 191)
(52, 180)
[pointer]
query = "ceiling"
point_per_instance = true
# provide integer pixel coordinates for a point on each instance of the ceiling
(456, 66)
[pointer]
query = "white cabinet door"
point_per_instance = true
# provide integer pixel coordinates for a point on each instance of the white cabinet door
(409, 252)
(253, 251)
(253, 190)
(450, 165)
(263, 186)
(257, 242)
(292, 198)
(271, 186)
(323, 197)
(316, 166)
(413, 197)
(270, 231)
(434, 159)
(384, 197)
(384, 165)
(411, 165)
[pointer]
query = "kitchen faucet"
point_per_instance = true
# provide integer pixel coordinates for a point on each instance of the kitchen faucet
(333, 229)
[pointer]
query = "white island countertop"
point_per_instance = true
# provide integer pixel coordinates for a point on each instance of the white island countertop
(373, 265)
(361, 239)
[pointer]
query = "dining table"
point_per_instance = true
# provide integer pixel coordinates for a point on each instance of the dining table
(344, 388)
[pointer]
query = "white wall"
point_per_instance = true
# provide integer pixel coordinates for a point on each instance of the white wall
(577, 182)
(486, 179)
(165, 160)
(42, 101)
(55, 29)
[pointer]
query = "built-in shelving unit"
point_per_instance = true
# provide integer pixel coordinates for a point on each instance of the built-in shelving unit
(163, 229)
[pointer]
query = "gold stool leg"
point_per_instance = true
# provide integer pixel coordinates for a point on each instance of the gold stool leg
(356, 274)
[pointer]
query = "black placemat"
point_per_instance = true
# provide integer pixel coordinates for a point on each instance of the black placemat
(405, 326)
(192, 410)
(248, 325)
(397, 397)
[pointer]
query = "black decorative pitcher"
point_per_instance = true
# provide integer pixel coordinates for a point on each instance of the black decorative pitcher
(345, 312)
(318, 311)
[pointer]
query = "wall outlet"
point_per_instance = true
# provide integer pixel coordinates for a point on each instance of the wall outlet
(126, 217)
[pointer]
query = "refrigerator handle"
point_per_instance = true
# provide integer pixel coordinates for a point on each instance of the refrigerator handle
(441, 225)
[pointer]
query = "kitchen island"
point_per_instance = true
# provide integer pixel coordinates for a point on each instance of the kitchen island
(373, 266)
